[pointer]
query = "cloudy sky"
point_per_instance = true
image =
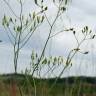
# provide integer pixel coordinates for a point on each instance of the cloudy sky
(79, 14)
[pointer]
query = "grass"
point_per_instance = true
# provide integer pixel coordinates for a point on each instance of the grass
(22, 85)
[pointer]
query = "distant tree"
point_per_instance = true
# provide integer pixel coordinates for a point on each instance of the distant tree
(0, 40)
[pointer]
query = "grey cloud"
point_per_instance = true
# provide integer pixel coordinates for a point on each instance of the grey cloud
(87, 6)
(60, 44)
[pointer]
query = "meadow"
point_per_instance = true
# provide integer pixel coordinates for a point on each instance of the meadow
(23, 85)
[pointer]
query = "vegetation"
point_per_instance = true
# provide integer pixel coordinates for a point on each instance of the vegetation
(19, 30)
(71, 86)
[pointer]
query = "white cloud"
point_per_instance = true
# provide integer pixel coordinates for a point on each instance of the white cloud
(80, 12)
(6, 59)
(87, 6)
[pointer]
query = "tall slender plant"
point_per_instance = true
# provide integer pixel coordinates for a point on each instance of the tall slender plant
(20, 29)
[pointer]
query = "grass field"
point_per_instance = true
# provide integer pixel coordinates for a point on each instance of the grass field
(22, 85)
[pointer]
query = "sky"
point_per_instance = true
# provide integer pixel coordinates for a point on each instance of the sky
(79, 14)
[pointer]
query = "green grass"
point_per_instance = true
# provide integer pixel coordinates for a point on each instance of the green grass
(24, 86)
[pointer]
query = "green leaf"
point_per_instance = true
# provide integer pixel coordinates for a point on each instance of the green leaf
(32, 56)
(62, 60)
(35, 2)
(38, 19)
(34, 23)
(48, 61)
(15, 20)
(46, 8)
(29, 15)
(19, 28)
(34, 15)
(7, 24)
(90, 31)
(55, 60)
(31, 29)
(77, 49)
(86, 52)
(86, 27)
(0, 40)
(71, 64)
(3, 23)
(74, 32)
(44, 61)
(14, 28)
(66, 1)
(63, 8)
(11, 20)
(71, 29)
(54, 1)
(42, 19)
(5, 19)
(26, 22)
(93, 36)
(36, 55)
(42, 1)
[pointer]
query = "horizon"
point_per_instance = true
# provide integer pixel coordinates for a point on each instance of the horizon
(78, 14)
